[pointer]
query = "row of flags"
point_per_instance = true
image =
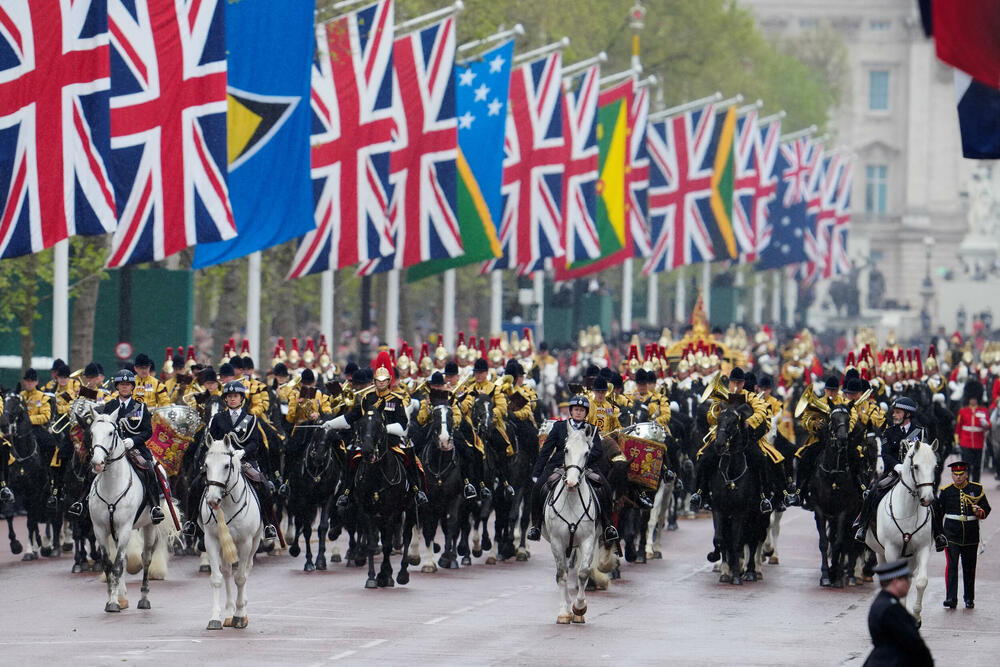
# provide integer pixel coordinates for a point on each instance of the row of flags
(235, 127)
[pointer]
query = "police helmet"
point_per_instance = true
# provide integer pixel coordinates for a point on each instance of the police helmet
(234, 387)
(904, 403)
(124, 375)
(579, 400)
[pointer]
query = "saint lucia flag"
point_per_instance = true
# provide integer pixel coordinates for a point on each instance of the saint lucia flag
(270, 67)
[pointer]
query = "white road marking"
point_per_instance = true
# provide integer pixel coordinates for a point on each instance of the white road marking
(435, 620)
(373, 643)
(342, 654)
(462, 610)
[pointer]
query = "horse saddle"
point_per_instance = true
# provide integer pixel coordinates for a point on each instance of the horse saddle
(252, 474)
(888, 481)
(138, 460)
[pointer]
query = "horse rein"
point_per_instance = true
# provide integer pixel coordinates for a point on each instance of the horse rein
(227, 491)
(112, 506)
(572, 526)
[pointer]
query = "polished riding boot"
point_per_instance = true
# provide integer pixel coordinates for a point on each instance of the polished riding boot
(266, 499)
(153, 495)
(414, 477)
(604, 499)
(537, 508)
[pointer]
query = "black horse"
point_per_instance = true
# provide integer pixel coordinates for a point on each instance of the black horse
(312, 482)
(443, 469)
(836, 497)
(495, 476)
(382, 499)
(734, 486)
(526, 448)
(27, 473)
(77, 479)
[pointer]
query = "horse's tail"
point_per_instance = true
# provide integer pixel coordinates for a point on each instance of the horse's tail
(166, 533)
(229, 552)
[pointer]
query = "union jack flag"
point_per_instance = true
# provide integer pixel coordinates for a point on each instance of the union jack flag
(423, 218)
(839, 263)
(745, 181)
(820, 207)
(534, 151)
(765, 189)
(54, 123)
(580, 238)
(680, 186)
(637, 176)
(353, 127)
(168, 126)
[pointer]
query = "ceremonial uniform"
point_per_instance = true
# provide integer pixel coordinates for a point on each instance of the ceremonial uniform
(151, 391)
(473, 389)
(135, 424)
(246, 432)
(257, 397)
(971, 427)
(39, 407)
(604, 415)
(65, 395)
(657, 404)
(961, 527)
(895, 635)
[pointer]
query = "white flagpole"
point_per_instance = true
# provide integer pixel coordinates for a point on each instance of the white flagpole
(740, 281)
(652, 300)
(775, 297)
(681, 295)
(391, 337)
(326, 307)
(496, 301)
(706, 289)
(758, 298)
(60, 304)
(627, 295)
(449, 309)
(253, 306)
(539, 278)
(791, 297)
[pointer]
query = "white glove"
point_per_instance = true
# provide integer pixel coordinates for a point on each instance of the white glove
(338, 424)
(898, 468)
(395, 429)
(818, 388)
(128, 442)
(938, 398)
(674, 407)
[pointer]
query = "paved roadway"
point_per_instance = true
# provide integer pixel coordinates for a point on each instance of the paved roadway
(671, 610)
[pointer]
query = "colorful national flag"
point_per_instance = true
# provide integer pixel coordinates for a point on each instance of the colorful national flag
(352, 133)
(637, 207)
(745, 182)
(680, 189)
(482, 89)
(55, 141)
(720, 221)
(978, 117)
(423, 209)
(765, 189)
(580, 236)
(794, 164)
(269, 57)
(534, 151)
(838, 261)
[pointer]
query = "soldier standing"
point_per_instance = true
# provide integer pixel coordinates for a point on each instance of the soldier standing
(964, 505)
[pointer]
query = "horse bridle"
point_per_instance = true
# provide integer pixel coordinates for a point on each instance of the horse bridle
(112, 506)
(227, 489)
(115, 439)
(317, 476)
(573, 525)
(915, 491)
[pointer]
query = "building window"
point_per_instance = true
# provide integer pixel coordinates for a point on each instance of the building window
(807, 23)
(876, 179)
(879, 24)
(878, 90)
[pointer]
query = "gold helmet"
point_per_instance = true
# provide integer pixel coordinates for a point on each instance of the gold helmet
(461, 350)
(404, 364)
(440, 352)
(309, 356)
(425, 363)
(325, 360)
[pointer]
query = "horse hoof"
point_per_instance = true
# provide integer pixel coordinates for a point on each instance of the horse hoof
(825, 582)
(466, 560)
(385, 581)
(294, 551)
(429, 569)
(487, 544)
(564, 619)
(123, 603)
(839, 583)
(640, 558)
(214, 625)
(867, 579)
(737, 581)
(672, 525)
(773, 560)
(413, 560)
(47, 552)
(476, 553)
(143, 604)
(16, 547)
(204, 568)
(77, 569)
(750, 576)
(240, 622)
(308, 567)
(403, 578)
(112, 607)
(452, 563)
(713, 556)
(335, 558)
(30, 556)
(852, 581)
(522, 557)
(725, 579)
(491, 561)
(371, 583)
(579, 619)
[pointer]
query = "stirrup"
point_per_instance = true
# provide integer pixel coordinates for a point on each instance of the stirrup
(420, 497)
(156, 515)
(859, 536)
(485, 493)
(695, 502)
(75, 510)
(509, 490)
(470, 492)
(765, 506)
(270, 532)
(52, 503)
(642, 498)
(343, 500)
(610, 534)
(6, 495)
(534, 534)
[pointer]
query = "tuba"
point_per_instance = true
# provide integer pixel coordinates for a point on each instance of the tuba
(717, 390)
(810, 401)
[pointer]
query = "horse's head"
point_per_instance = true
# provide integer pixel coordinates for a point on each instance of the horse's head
(222, 468)
(578, 442)
(14, 413)
(482, 413)
(442, 431)
(839, 424)
(373, 440)
(919, 466)
(106, 446)
(728, 428)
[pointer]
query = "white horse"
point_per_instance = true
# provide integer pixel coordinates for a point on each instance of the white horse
(229, 542)
(570, 524)
(116, 497)
(903, 520)
(768, 550)
(658, 519)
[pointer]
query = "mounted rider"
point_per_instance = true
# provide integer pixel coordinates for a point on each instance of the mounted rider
(391, 404)
(135, 428)
(39, 414)
(243, 431)
(754, 412)
(656, 404)
(551, 458)
(479, 383)
(897, 441)
(812, 420)
(470, 458)
(148, 389)
(66, 391)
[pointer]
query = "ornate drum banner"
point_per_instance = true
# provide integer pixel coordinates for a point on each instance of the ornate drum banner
(645, 460)
(174, 428)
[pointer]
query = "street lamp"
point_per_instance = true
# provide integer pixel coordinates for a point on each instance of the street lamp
(927, 287)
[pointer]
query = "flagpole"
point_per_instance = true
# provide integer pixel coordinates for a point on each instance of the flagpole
(767, 120)
(627, 295)
(326, 306)
(753, 106)
(680, 297)
(758, 298)
(442, 13)
(618, 77)
(687, 106)
(775, 297)
(791, 297)
(392, 309)
(652, 300)
(542, 51)
(60, 303)
(539, 278)
(496, 301)
(798, 134)
(740, 283)
(253, 305)
(449, 309)
(706, 289)
(516, 31)
(577, 67)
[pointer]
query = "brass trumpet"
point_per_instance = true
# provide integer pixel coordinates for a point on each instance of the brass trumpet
(717, 390)
(810, 401)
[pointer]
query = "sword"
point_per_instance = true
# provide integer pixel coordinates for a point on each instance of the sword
(165, 488)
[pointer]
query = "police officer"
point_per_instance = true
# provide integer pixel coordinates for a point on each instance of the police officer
(894, 631)
(552, 457)
(245, 432)
(135, 427)
(964, 505)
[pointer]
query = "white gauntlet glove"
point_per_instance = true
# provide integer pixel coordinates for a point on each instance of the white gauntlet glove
(395, 429)
(337, 424)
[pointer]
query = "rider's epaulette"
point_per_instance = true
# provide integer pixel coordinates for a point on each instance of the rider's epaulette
(947, 486)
